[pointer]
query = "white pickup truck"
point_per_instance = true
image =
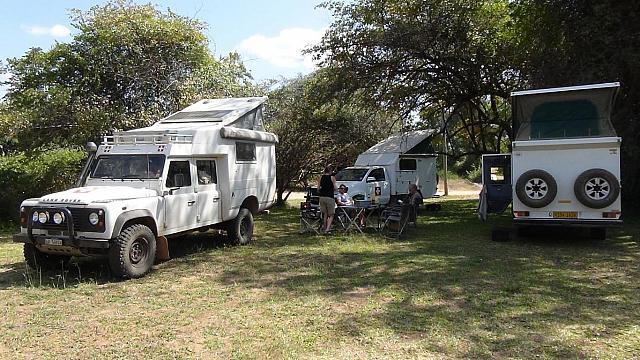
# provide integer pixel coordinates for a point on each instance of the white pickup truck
(211, 165)
(390, 166)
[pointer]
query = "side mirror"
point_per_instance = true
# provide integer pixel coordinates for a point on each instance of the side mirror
(91, 147)
(371, 179)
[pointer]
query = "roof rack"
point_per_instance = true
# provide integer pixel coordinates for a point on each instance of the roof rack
(145, 139)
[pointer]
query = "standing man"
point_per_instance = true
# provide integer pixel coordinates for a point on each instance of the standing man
(326, 189)
(415, 199)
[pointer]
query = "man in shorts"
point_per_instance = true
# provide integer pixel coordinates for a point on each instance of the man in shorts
(326, 189)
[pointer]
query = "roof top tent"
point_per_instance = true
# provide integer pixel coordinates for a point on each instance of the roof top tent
(566, 112)
(233, 116)
(389, 150)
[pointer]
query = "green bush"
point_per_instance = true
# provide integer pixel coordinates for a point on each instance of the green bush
(474, 174)
(35, 174)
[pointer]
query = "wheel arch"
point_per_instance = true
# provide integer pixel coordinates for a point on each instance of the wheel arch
(141, 216)
(251, 203)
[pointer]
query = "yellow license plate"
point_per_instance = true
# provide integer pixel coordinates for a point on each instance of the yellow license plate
(565, 214)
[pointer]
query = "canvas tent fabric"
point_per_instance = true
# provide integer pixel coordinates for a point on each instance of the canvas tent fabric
(387, 151)
(564, 112)
(238, 112)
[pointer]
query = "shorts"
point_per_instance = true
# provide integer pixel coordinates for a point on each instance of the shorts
(327, 205)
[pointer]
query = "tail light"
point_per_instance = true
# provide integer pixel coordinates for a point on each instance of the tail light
(305, 205)
(520, 213)
(23, 217)
(611, 214)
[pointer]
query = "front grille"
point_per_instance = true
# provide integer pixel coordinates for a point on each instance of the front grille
(80, 220)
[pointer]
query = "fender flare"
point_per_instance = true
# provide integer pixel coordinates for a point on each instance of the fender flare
(133, 214)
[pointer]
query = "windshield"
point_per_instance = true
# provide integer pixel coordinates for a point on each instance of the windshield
(351, 174)
(128, 167)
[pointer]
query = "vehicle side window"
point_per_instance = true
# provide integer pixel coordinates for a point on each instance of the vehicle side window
(179, 170)
(378, 174)
(408, 164)
(497, 175)
(206, 172)
(245, 151)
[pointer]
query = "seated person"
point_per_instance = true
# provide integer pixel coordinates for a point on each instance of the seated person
(342, 198)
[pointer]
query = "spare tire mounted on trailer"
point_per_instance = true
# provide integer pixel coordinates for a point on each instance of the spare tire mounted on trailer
(536, 188)
(596, 188)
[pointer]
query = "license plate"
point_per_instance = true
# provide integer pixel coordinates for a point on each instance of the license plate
(565, 214)
(57, 242)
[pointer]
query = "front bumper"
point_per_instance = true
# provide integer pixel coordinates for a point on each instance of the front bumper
(39, 239)
(568, 222)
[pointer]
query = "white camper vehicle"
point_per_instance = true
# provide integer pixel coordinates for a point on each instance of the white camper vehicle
(390, 166)
(564, 168)
(210, 165)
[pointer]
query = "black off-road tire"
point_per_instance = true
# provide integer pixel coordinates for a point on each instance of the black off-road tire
(598, 233)
(240, 229)
(37, 259)
(536, 188)
(501, 234)
(596, 188)
(133, 252)
(526, 231)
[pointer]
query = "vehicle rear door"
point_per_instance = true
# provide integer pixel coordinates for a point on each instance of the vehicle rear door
(496, 182)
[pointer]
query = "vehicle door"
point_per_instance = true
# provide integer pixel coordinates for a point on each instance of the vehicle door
(377, 181)
(208, 194)
(180, 199)
(496, 182)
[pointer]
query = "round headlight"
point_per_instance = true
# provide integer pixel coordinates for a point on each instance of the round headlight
(93, 218)
(58, 218)
(43, 217)
(34, 217)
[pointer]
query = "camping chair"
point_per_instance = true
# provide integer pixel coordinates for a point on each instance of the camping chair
(312, 196)
(395, 219)
(310, 218)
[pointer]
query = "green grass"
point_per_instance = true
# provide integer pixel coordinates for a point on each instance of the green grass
(446, 290)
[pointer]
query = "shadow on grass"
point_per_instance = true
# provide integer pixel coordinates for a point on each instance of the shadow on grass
(448, 276)
(96, 270)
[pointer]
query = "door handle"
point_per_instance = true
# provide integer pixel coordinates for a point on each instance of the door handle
(216, 199)
(191, 202)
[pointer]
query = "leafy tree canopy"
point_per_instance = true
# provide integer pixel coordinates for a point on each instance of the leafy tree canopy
(315, 129)
(127, 66)
(428, 57)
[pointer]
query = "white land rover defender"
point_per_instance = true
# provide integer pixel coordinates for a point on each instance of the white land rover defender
(211, 165)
